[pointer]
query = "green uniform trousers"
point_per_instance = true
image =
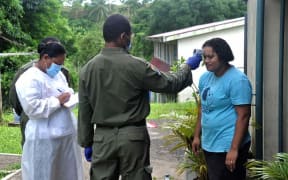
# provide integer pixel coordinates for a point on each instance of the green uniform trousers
(23, 121)
(121, 151)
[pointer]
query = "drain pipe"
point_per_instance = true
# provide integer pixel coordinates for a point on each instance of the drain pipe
(245, 39)
(281, 74)
(259, 77)
(245, 43)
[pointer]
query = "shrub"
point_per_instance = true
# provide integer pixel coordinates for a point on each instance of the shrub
(276, 169)
(182, 129)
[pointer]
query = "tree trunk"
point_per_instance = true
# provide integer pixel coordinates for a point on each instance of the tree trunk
(1, 111)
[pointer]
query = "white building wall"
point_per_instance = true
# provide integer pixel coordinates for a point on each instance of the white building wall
(233, 36)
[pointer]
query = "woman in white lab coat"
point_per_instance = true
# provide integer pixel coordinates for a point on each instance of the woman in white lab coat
(50, 151)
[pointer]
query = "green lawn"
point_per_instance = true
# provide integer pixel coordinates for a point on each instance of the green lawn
(10, 137)
(158, 110)
(6, 171)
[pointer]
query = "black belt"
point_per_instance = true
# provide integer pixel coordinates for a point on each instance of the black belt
(139, 123)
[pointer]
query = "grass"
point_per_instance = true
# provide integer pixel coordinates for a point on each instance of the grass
(10, 137)
(7, 117)
(158, 110)
(7, 170)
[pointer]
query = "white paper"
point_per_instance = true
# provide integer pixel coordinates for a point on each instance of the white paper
(72, 101)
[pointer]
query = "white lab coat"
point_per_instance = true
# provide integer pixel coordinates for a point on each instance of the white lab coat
(50, 151)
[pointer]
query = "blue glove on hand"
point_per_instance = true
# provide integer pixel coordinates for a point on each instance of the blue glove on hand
(88, 153)
(195, 60)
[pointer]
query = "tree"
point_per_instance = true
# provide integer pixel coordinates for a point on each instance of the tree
(43, 18)
(88, 46)
(8, 66)
(70, 2)
(11, 32)
(98, 10)
(192, 12)
(76, 11)
(23, 25)
(130, 7)
(161, 16)
(140, 25)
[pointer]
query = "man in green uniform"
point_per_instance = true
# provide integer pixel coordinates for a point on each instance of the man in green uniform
(113, 95)
(13, 98)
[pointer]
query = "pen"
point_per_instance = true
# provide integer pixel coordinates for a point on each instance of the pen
(59, 90)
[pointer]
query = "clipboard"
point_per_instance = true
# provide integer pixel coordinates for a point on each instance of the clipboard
(72, 101)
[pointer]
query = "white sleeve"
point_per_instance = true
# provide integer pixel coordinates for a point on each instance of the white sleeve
(34, 105)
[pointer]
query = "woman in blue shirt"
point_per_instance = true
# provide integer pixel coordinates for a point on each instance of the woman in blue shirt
(225, 94)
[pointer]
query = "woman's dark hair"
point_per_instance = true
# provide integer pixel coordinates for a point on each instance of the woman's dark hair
(221, 48)
(53, 49)
(45, 41)
(114, 26)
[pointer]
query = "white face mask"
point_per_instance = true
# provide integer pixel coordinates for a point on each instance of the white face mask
(129, 46)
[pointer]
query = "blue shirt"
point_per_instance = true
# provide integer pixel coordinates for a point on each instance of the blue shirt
(218, 97)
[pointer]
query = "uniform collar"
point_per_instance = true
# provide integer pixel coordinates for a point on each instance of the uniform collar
(113, 50)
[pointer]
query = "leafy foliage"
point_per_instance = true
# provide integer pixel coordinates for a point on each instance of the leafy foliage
(11, 32)
(195, 163)
(161, 16)
(182, 134)
(88, 46)
(176, 66)
(98, 10)
(182, 130)
(192, 12)
(8, 67)
(140, 25)
(277, 169)
(43, 18)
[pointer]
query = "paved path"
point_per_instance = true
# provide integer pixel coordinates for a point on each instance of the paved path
(162, 160)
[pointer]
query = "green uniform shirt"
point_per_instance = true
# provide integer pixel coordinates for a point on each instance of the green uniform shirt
(113, 90)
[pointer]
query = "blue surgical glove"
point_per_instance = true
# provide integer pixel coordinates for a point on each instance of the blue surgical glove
(194, 61)
(88, 153)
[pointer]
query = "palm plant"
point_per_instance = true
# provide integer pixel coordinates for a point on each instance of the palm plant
(98, 10)
(276, 169)
(182, 129)
(196, 163)
(130, 7)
